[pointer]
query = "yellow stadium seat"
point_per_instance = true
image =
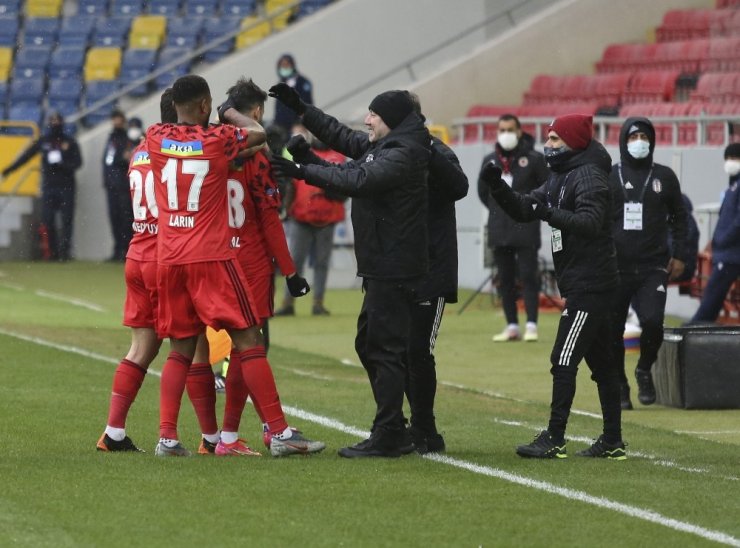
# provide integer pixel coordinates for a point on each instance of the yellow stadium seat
(254, 34)
(144, 41)
(44, 8)
(102, 64)
(281, 21)
(147, 31)
(440, 132)
(6, 63)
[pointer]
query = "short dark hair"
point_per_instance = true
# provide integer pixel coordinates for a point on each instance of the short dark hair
(167, 112)
(508, 118)
(246, 95)
(188, 88)
(117, 113)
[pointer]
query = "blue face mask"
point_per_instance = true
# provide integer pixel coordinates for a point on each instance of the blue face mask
(285, 72)
(638, 149)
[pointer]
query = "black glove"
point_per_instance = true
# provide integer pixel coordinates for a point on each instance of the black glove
(298, 147)
(287, 168)
(297, 286)
(540, 209)
(223, 107)
(288, 96)
(491, 175)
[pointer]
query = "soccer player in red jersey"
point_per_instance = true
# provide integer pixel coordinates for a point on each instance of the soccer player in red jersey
(190, 162)
(141, 294)
(259, 239)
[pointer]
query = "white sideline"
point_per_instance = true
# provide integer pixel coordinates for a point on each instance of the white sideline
(572, 494)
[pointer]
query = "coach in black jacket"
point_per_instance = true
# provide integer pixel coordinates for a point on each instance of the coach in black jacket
(387, 179)
(576, 202)
(647, 204)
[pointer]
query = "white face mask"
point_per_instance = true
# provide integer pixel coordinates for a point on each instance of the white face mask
(134, 133)
(638, 149)
(732, 167)
(507, 139)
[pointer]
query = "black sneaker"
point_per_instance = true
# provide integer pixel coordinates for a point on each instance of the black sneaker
(645, 387)
(206, 447)
(543, 447)
(319, 310)
(285, 311)
(624, 394)
(375, 446)
(407, 444)
(602, 450)
(109, 445)
(425, 442)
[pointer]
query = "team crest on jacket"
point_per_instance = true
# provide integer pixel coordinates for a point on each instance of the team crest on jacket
(523, 161)
(657, 187)
(369, 158)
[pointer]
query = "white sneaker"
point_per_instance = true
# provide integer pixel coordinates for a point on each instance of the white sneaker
(508, 334)
(530, 334)
(177, 451)
(296, 444)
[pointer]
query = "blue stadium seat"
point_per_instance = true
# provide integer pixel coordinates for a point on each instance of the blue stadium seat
(10, 7)
(214, 28)
(112, 32)
(137, 63)
(126, 8)
(167, 56)
(92, 7)
(95, 91)
(169, 8)
(25, 89)
(33, 57)
(25, 111)
(40, 31)
(307, 7)
(201, 8)
(67, 62)
(184, 32)
(3, 93)
(65, 108)
(27, 73)
(65, 90)
(8, 30)
(76, 30)
(238, 8)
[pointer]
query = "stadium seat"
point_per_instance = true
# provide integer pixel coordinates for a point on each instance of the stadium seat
(201, 8)
(169, 8)
(147, 31)
(111, 32)
(3, 94)
(6, 63)
(273, 7)
(25, 111)
(126, 8)
(623, 57)
(167, 56)
(76, 30)
(724, 54)
(308, 7)
(26, 89)
(43, 8)
(543, 88)
(33, 57)
(9, 27)
(680, 24)
(253, 30)
(67, 62)
(92, 7)
(687, 131)
(238, 8)
(102, 64)
(136, 64)
(28, 73)
(216, 28)
(95, 91)
(65, 89)
(10, 7)
(184, 32)
(40, 31)
(486, 131)
(651, 86)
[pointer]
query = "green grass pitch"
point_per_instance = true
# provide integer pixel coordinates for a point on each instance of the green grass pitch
(61, 336)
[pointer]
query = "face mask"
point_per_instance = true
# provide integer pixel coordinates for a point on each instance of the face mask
(557, 157)
(732, 167)
(56, 129)
(285, 72)
(134, 133)
(638, 149)
(508, 140)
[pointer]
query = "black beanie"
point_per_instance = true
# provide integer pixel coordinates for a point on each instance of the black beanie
(732, 151)
(392, 106)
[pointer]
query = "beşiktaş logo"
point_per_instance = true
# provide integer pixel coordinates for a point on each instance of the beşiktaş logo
(369, 158)
(657, 186)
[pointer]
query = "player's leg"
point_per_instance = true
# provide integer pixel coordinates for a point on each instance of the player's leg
(323, 243)
(201, 389)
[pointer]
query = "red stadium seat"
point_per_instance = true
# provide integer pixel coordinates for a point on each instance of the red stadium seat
(544, 88)
(473, 132)
(706, 86)
(621, 57)
(724, 54)
(610, 87)
(649, 85)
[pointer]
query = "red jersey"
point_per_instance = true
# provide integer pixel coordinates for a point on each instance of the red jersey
(190, 165)
(143, 246)
(254, 202)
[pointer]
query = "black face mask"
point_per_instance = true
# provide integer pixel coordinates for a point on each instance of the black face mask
(558, 157)
(56, 130)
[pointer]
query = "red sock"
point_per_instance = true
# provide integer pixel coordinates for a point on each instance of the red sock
(126, 383)
(174, 374)
(236, 395)
(261, 385)
(201, 388)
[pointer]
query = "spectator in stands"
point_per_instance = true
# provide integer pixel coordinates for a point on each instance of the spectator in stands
(312, 215)
(60, 158)
(576, 202)
(725, 243)
(288, 74)
(115, 180)
(647, 205)
(514, 245)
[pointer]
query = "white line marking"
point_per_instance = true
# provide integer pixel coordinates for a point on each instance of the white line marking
(572, 494)
(14, 287)
(708, 432)
(70, 300)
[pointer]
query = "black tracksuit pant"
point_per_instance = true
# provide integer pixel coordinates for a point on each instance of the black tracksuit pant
(524, 259)
(585, 332)
(646, 291)
(381, 343)
(421, 380)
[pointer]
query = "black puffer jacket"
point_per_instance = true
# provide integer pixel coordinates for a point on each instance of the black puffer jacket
(579, 196)
(529, 171)
(58, 174)
(387, 180)
(662, 208)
